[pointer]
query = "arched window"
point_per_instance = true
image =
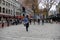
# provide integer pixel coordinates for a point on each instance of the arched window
(6, 11)
(3, 10)
(0, 9)
(9, 11)
(0, 1)
(3, 2)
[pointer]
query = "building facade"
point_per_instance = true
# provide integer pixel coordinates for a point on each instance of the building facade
(12, 6)
(58, 8)
(9, 11)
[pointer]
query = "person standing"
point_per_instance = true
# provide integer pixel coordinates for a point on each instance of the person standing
(26, 22)
(7, 22)
(38, 19)
(42, 19)
(2, 24)
(34, 19)
(30, 19)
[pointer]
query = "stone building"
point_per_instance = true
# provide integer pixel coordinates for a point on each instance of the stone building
(58, 8)
(9, 9)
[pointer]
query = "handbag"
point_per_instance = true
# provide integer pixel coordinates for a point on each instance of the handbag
(24, 24)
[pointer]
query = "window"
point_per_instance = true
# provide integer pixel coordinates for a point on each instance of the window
(17, 13)
(11, 5)
(6, 11)
(59, 10)
(9, 11)
(3, 2)
(3, 10)
(0, 18)
(6, 3)
(0, 1)
(0, 9)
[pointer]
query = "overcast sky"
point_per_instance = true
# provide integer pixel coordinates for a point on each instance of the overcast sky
(48, 0)
(42, 6)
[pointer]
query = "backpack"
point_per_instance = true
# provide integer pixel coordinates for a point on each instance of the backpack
(26, 20)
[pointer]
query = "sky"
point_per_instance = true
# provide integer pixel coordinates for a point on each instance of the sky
(42, 6)
(53, 8)
(47, 0)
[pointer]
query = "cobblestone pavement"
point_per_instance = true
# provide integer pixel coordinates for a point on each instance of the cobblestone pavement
(36, 32)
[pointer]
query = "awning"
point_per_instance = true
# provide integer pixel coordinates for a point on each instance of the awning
(18, 17)
(5, 15)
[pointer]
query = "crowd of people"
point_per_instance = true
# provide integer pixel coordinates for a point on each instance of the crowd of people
(27, 20)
